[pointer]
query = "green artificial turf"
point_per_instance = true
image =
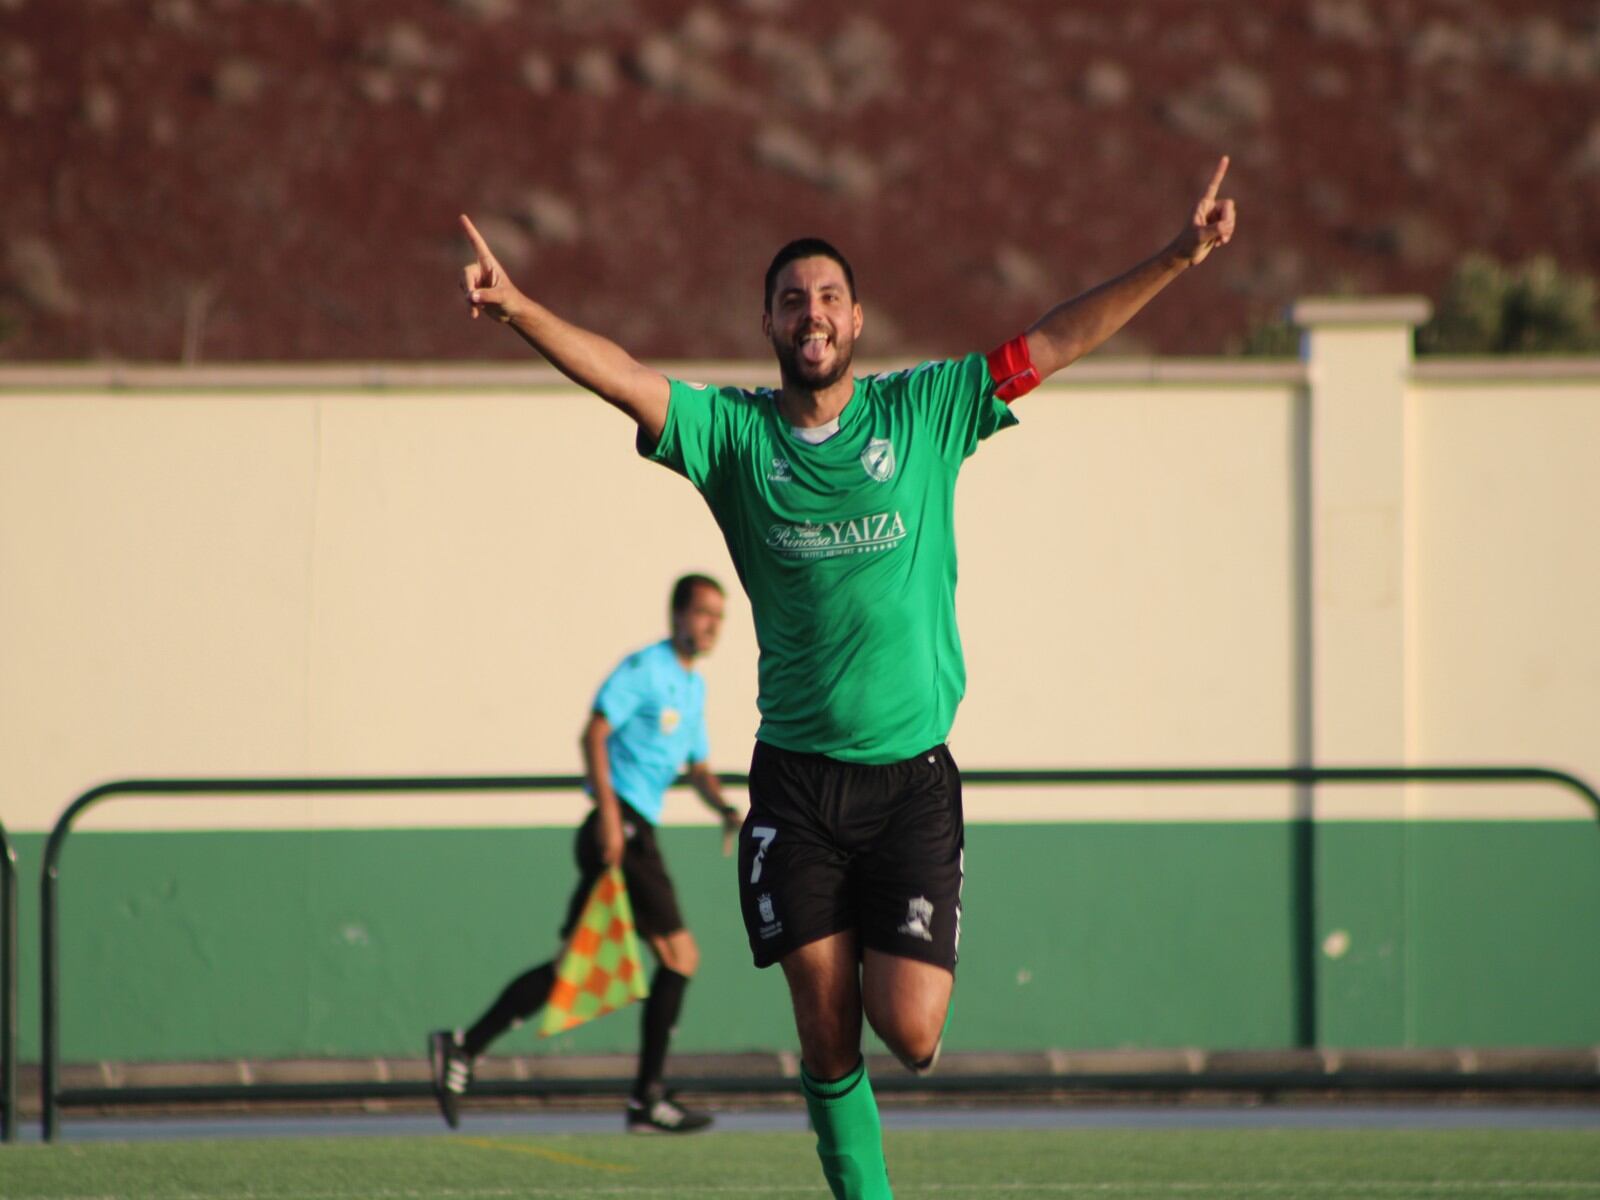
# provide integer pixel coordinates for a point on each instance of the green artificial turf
(949, 1165)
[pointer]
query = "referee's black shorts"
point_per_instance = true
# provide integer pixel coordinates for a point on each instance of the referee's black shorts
(830, 846)
(650, 891)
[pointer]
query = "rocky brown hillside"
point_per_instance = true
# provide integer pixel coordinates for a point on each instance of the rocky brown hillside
(278, 179)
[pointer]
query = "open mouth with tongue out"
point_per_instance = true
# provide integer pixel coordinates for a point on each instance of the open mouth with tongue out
(814, 345)
(816, 355)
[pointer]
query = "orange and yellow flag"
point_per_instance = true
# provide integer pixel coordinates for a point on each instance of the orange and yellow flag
(601, 970)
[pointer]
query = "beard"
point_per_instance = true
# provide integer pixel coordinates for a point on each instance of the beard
(797, 372)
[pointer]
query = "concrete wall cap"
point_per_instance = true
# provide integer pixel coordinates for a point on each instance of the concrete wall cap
(1509, 368)
(1313, 311)
(291, 380)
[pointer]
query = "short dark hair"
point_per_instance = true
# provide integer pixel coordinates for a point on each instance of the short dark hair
(806, 247)
(683, 590)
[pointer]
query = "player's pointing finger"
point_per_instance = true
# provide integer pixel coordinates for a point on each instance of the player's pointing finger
(1211, 190)
(478, 244)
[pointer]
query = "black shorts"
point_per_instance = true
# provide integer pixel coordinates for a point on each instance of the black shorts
(650, 892)
(830, 846)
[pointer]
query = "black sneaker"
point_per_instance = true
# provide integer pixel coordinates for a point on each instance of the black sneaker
(664, 1115)
(452, 1073)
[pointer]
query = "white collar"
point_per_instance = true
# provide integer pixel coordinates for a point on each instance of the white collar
(815, 435)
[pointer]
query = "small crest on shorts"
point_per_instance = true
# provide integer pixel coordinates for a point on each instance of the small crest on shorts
(877, 460)
(771, 927)
(919, 918)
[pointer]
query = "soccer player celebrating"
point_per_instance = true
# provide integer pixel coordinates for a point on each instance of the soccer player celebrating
(835, 495)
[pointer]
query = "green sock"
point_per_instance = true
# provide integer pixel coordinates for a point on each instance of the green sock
(849, 1138)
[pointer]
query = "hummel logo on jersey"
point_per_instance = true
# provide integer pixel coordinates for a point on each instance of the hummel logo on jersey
(828, 539)
(919, 915)
(780, 471)
(877, 460)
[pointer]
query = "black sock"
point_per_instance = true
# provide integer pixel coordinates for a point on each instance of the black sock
(522, 997)
(660, 1015)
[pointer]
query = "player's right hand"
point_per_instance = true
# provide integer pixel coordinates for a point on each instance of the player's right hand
(485, 283)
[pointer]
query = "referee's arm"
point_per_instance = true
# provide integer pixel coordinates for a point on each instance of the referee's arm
(597, 767)
(709, 788)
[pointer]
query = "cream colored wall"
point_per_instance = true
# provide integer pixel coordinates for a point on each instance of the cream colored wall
(1506, 527)
(1126, 581)
(328, 584)
(414, 583)
(433, 579)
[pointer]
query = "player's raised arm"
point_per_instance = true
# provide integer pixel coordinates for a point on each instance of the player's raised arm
(586, 358)
(1073, 328)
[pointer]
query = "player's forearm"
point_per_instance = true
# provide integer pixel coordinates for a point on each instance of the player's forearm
(593, 362)
(1075, 327)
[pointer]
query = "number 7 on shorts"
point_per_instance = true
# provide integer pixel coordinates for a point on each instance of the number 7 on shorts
(763, 834)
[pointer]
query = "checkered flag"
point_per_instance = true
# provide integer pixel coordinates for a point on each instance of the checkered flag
(601, 970)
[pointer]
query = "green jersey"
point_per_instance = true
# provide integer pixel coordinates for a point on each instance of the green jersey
(846, 549)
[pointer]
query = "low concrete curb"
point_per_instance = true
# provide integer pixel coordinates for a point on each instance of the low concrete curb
(572, 1078)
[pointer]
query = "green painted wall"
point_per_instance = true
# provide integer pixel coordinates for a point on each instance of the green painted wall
(203, 945)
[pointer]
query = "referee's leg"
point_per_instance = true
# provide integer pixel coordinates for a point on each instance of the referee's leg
(660, 921)
(677, 958)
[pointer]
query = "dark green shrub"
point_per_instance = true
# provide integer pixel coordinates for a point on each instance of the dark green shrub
(1535, 308)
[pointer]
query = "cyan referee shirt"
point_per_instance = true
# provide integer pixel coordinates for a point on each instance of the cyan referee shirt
(657, 712)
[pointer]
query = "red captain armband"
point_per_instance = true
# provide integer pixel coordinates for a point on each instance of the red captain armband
(1012, 369)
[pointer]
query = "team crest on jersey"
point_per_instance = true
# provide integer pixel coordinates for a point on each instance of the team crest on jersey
(670, 717)
(877, 460)
(779, 471)
(919, 918)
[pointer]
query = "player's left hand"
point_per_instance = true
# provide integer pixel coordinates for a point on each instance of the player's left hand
(1211, 223)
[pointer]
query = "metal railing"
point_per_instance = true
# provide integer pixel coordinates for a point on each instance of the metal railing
(8, 990)
(53, 1097)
